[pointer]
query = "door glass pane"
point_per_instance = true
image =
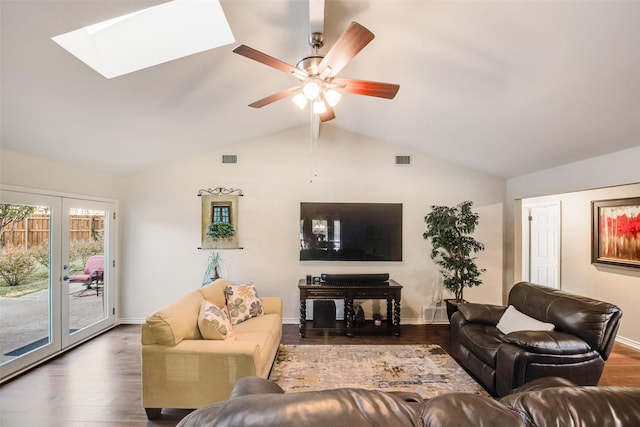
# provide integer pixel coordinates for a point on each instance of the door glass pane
(85, 273)
(25, 285)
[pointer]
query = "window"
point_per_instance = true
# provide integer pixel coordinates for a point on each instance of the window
(221, 213)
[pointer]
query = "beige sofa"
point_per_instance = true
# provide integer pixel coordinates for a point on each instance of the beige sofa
(180, 369)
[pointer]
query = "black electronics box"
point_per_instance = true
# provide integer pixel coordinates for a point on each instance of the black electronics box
(324, 314)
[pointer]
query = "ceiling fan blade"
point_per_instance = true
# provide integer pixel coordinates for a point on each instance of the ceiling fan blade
(263, 58)
(352, 41)
(329, 114)
(368, 88)
(275, 97)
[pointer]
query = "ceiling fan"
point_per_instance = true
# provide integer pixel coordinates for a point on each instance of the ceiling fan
(317, 73)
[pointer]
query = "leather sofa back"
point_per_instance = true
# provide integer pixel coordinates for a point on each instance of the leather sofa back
(594, 321)
(544, 402)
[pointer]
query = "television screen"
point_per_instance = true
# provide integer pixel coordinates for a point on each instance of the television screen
(350, 231)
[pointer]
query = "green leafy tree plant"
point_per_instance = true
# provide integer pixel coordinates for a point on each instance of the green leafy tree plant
(450, 230)
(10, 215)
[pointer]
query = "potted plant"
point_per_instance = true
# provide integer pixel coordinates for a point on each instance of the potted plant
(214, 264)
(450, 230)
(221, 230)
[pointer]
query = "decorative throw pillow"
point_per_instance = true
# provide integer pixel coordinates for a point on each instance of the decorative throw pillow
(214, 323)
(513, 320)
(243, 303)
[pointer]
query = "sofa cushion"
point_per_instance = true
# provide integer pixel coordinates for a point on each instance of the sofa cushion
(214, 323)
(548, 342)
(467, 410)
(242, 302)
(265, 331)
(594, 321)
(513, 320)
(177, 321)
(214, 292)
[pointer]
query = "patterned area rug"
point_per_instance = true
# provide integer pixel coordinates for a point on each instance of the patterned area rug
(424, 369)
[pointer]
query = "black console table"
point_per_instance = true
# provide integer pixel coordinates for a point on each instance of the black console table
(391, 291)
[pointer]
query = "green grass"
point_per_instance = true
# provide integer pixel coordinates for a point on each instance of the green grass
(34, 285)
(37, 282)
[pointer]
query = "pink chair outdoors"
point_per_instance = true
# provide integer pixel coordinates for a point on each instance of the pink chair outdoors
(93, 273)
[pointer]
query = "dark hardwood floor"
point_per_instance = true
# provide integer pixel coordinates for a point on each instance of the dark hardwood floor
(98, 383)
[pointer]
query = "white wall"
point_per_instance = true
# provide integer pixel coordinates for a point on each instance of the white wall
(578, 184)
(35, 172)
(162, 218)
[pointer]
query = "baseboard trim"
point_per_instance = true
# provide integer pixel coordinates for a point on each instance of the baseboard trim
(413, 321)
(131, 320)
(627, 341)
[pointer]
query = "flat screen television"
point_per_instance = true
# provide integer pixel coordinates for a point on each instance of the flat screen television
(350, 231)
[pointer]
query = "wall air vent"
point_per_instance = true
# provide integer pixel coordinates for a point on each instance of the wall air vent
(229, 158)
(403, 160)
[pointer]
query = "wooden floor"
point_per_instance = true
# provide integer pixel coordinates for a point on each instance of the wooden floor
(98, 383)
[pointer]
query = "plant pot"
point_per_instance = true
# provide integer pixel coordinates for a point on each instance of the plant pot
(452, 307)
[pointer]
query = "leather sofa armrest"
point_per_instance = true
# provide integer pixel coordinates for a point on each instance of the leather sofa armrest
(255, 385)
(481, 313)
(548, 342)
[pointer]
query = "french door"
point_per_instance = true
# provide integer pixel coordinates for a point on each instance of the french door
(57, 274)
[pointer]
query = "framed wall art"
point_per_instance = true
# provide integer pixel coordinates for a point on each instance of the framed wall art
(219, 225)
(616, 232)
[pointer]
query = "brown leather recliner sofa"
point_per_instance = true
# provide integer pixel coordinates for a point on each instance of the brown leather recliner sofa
(545, 402)
(584, 333)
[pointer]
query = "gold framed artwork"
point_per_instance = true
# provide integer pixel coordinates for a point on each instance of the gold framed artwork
(616, 232)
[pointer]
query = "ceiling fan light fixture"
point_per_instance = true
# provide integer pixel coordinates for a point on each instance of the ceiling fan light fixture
(311, 90)
(300, 100)
(332, 97)
(319, 107)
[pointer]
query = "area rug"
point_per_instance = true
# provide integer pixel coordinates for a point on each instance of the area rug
(424, 369)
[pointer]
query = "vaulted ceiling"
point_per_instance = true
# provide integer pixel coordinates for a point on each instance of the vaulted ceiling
(506, 87)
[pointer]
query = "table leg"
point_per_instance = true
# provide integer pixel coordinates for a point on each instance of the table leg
(349, 315)
(396, 317)
(390, 312)
(303, 318)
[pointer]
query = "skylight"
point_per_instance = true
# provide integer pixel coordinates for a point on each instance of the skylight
(149, 37)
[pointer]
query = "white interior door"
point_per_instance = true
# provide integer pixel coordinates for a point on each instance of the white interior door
(542, 244)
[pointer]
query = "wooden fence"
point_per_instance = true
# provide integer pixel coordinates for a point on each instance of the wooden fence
(34, 230)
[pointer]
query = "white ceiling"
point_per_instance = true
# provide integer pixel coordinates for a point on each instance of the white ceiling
(506, 87)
